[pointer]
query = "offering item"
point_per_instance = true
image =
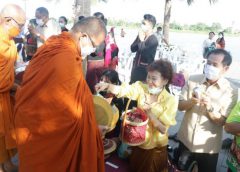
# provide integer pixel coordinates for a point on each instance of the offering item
(134, 127)
(105, 114)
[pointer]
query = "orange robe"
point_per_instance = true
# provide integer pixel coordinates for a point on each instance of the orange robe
(8, 55)
(54, 113)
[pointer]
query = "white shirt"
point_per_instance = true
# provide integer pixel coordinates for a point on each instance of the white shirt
(52, 27)
(208, 42)
(197, 132)
(160, 37)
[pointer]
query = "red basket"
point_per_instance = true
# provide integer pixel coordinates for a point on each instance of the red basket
(134, 127)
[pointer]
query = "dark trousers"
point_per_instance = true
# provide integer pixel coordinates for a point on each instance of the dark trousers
(138, 73)
(206, 162)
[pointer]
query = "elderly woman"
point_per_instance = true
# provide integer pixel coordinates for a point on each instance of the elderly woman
(233, 126)
(160, 106)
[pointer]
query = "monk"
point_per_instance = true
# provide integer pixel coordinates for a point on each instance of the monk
(12, 19)
(54, 113)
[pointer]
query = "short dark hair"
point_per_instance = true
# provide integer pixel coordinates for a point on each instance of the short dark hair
(64, 18)
(81, 17)
(150, 18)
(164, 67)
(221, 33)
(227, 60)
(112, 75)
(90, 25)
(211, 32)
(43, 11)
(99, 15)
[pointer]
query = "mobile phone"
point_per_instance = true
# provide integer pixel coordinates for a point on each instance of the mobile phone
(197, 92)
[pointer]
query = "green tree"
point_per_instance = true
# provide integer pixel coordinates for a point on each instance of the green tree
(167, 15)
(216, 26)
(80, 7)
(166, 20)
(228, 30)
(176, 26)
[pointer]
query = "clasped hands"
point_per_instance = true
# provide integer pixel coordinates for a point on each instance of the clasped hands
(141, 35)
(204, 100)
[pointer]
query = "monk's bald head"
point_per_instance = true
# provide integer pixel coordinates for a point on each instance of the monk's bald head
(15, 12)
(92, 26)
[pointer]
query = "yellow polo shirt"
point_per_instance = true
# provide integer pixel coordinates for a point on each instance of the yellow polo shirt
(164, 109)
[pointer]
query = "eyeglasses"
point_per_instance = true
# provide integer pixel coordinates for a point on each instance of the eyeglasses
(19, 25)
(93, 44)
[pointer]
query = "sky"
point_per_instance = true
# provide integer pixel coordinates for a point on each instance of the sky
(224, 11)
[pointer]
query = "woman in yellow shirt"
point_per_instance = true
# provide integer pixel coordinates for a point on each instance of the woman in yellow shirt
(160, 106)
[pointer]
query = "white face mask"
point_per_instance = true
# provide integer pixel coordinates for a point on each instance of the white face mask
(155, 90)
(62, 25)
(40, 22)
(145, 28)
(220, 36)
(86, 50)
(211, 72)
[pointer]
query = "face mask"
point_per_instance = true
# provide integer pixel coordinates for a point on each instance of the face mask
(62, 25)
(211, 72)
(220, 36)
(155, 90)
(86, 50)
(13, 32)
(144, 27)
(40, 22)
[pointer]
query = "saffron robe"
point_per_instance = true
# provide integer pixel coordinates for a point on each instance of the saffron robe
(54, 113)
(8, 56)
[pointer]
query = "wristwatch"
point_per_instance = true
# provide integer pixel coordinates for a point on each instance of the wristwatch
(211, 109)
